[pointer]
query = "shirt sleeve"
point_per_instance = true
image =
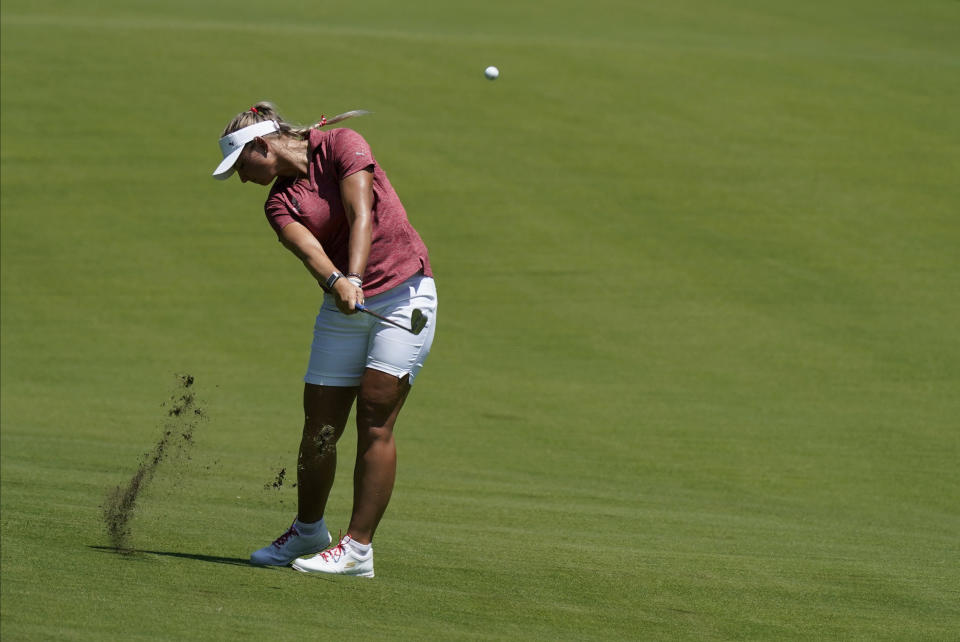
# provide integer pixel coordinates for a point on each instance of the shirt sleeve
(278, 212)
(350, 153)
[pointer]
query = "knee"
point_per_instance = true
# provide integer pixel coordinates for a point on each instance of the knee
(319, 437)
(375, 437)
(375, 422)
(376, 433)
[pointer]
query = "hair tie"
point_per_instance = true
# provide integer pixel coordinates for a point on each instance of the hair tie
(323, 121)
(254, 109)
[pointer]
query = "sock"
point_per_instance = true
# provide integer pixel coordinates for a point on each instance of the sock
(309, 530)
(362, 549)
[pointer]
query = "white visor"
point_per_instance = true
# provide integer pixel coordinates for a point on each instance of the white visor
(232, 144)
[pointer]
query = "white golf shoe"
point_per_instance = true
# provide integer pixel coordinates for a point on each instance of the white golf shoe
(290, 546)
(342, 559)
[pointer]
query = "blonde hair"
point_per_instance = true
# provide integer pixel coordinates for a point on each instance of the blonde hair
(265, 110)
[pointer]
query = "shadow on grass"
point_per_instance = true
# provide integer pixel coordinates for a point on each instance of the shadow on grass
(133, 553)
(232, 561)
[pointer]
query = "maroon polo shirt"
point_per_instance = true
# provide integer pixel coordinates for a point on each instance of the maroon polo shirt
(396, 250)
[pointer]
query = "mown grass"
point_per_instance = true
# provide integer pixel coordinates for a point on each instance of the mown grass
(697, 363)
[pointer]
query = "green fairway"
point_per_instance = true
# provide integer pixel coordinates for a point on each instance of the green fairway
(697, 367)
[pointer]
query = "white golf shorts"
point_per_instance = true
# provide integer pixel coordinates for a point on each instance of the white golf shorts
(344, 345)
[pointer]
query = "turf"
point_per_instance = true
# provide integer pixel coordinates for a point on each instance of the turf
(697, 363)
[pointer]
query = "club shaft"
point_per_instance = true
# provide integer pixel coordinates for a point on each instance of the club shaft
(364, 308)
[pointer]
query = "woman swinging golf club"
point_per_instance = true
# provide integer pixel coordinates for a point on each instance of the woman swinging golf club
(333, 207)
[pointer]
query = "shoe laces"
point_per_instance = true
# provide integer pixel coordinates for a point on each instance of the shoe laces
(334, 554)
(291, 532)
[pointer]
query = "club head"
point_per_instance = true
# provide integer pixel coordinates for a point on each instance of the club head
(418, 321)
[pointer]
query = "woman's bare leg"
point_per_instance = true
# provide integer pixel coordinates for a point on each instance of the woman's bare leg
(380, 399)
(325, 410)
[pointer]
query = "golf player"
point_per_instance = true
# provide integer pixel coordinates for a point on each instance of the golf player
(332, 206)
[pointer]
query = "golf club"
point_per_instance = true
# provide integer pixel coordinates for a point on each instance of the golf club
(418, 320)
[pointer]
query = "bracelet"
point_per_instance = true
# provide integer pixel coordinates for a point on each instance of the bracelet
(359, 276)
(356, 281)
(333, 278)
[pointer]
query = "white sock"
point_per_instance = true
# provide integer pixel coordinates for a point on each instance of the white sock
(362, 549)
(309, 530)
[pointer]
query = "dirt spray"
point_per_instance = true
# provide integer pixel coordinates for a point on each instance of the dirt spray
(120, 504)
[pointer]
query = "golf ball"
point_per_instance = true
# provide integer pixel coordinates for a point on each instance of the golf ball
(491, 72)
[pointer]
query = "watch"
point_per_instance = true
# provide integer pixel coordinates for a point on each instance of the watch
(333, 278)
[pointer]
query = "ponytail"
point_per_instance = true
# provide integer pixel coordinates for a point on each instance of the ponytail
(264, 110)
